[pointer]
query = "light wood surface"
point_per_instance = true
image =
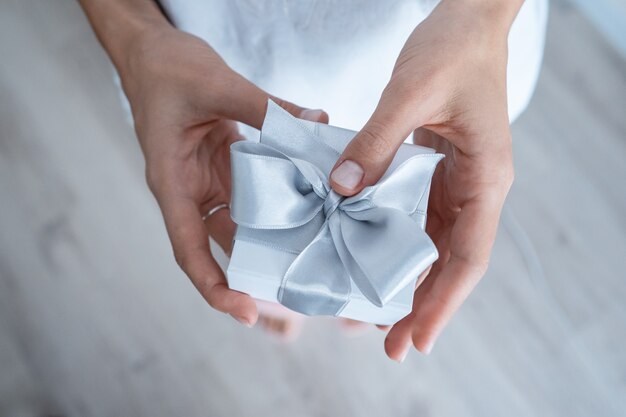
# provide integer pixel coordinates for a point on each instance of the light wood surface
(96, 319)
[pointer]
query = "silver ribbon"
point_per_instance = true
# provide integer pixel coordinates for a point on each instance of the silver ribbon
(281, 198)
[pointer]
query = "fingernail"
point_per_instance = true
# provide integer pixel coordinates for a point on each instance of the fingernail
(404, 353)
(348, 174)
(428, 347)
(242, 320)
(312, 115)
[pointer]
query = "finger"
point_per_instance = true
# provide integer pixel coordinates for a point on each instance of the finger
(368, 155)
(440, 296)
(314, 115)
(398, 340)
(222, 229)
(217, 210)
(424, 137)
(247, 103)
(437, 303)
(422, 277)
(191, 249)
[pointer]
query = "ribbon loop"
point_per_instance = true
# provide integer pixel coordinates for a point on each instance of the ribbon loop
(281, 197)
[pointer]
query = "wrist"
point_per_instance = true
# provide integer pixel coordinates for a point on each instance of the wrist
(142, 41)
(133, 42)
(497, 16)
(122, 26)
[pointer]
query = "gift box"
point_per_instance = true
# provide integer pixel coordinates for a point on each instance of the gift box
(316, 252)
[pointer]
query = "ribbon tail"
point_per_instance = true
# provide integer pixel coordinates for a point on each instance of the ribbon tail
(316, 282)
(384, 252)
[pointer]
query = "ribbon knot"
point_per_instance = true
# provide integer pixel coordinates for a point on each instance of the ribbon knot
(332, 203)
(372, 242)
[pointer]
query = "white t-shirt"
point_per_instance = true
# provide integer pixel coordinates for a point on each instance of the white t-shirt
(338, 54)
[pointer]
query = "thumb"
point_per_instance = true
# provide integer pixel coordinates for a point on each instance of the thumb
(313, 115)
(368, 155)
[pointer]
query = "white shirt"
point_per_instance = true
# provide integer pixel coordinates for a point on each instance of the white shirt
(338, 54)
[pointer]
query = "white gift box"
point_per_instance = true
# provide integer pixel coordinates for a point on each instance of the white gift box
(258, 269)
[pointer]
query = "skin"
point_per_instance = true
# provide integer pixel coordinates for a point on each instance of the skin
(185, 121)
(448, 87)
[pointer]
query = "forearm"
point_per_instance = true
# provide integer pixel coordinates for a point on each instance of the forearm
(120, 25)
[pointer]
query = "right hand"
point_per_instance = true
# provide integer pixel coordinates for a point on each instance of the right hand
(185, 101)
(449, 87)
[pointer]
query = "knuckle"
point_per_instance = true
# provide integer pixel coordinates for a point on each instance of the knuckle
(152, 179)
(499, 172)
(210, 298)
(182, 259)
(160, 177)
(406, 89)
(480, 266)
(210, 292)
(506, 176)
(189, 257)
(473, 266)
(414, 87)
(509, 177)
(373, 142)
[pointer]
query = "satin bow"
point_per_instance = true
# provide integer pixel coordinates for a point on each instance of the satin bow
(281, 198)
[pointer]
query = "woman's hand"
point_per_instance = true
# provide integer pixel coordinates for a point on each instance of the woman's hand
(449, 86)
(185, 101)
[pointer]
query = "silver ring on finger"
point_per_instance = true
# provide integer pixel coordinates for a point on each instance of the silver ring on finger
(214, 210)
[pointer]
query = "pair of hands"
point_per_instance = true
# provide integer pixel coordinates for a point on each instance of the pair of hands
(448, 87)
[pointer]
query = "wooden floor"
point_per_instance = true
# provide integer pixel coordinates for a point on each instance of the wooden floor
(96, 319)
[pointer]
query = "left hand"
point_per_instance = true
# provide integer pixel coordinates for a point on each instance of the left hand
(185, 118)
(449, 86)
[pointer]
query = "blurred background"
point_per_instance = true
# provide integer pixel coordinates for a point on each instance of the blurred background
(97, 320)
